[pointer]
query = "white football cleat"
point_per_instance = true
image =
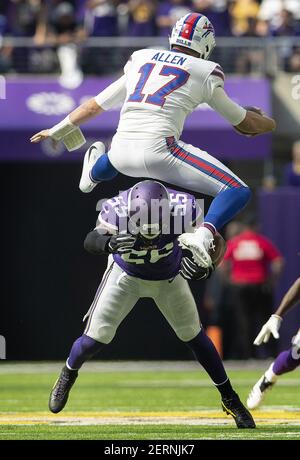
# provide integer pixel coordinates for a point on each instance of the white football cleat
(199, 243)
(200, 254)
(95, 151)
(258, 392)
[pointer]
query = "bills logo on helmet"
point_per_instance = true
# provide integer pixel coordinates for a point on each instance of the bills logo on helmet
(196, 32)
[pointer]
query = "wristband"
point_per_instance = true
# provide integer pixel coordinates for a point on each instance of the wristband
(62, 129)
(210, 227)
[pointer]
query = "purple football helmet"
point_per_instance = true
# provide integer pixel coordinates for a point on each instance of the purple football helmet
(148, 209)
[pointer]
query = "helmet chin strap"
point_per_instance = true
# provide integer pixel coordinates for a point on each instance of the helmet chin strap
(150, 237)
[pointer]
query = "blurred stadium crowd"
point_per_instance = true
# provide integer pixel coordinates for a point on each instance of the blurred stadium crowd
(54, 23)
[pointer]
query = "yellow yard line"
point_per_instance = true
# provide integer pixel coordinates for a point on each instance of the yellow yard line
(205, 413)
(280, 416)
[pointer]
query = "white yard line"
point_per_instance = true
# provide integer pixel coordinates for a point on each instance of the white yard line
(8, 367)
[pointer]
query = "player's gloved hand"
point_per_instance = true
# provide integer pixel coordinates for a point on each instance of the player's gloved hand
(189, 270)
(121, 243)
(272, 326)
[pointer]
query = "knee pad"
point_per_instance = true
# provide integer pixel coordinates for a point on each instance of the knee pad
(104, 334)
(187, 334)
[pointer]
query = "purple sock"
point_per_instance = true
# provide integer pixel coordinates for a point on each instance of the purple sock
(207, 355)
(83, 348)
(285, 362)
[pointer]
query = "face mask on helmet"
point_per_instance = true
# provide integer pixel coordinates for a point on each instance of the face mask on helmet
(148, 210)
(196, 32)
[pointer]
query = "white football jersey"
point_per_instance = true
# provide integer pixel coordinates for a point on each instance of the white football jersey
(162, 88)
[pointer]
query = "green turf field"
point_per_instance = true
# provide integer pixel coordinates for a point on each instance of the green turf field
(163, 402)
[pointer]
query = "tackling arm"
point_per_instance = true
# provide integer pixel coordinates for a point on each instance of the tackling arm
(256, 122)
(96, 243)
(103, 241)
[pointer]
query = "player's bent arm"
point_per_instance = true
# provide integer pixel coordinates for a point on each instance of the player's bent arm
(103, 240)
(85, 112)
(272, 326)
(97, 243)
(291, 298)
(245, 121)
(256, 123)
(70, 124)
(226, 107)
(111, 96)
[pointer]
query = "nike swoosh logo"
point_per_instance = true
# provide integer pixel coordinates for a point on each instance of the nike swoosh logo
(91, 149)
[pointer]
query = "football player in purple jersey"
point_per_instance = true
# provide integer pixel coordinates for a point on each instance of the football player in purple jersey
(287, 360)
(139, 231)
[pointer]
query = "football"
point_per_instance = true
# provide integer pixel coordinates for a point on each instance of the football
(219, 250)
(254, 109)
(250, 109)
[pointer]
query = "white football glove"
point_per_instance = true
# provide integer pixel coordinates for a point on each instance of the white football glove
(199, 244)
(272, 326)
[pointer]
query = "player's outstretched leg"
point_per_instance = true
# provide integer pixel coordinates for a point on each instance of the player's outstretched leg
(285, 362)
(192, 168)
(96, 168)
(83, 349)
(207, 355)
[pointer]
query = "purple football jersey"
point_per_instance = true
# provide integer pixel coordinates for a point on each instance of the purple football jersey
(161, 260)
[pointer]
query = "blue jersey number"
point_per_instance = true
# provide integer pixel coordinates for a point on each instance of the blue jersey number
(159, 97)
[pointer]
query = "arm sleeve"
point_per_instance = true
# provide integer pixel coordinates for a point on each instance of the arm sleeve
(226, 107)
(113, 95)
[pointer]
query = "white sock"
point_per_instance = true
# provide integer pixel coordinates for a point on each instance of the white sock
(270, 375)
(69, 367)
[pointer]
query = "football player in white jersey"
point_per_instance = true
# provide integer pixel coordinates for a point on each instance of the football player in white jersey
(158, 90)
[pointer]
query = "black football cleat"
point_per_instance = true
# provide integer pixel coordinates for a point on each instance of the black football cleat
(234, 407)
(60, 392)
